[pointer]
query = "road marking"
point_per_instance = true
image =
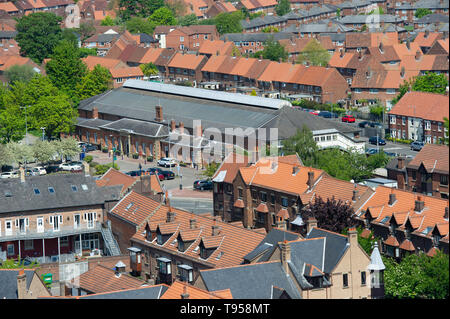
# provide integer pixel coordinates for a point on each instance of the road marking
(393, 148)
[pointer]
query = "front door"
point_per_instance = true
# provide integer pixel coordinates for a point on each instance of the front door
(76, 221)
(8, 228)
(40, 224)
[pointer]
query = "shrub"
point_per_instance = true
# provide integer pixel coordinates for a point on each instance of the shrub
(135, 155)
(93, 164)
(102, 169)
(104, 149)
(149, 158)
(88, 159)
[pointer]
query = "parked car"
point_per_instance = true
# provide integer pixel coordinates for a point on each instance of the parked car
(12, 174)
(391, 154)
(348, 119)
(371, 151)
(203, 185)
(363, 124)
(376, 125)
(417, 145)
(328, 115)
(53, 169)
(315, 112)
(31, 172)
(376, 140)
(40, 170)
(88, 147)
(71, 166)
(135, 173)
(167, 162)
(166, 174)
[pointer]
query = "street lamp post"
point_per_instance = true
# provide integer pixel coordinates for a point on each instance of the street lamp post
(43, 131)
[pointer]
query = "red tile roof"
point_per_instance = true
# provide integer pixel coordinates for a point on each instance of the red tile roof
(428, 106)
(126, 72)
(115, 177)
(230, 166)
(186, 61)
(134, 208)
(434, 158)
(102, 279)
(178, 288)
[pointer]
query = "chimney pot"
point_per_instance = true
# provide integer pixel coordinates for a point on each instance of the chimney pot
(392, 198)
(355, 195)
(419, 204)
(170, 216)
(172, 125)
(215, 230)
(181, 127)
(400, 162)
(310, 224)
(310, 179)
(285, 255)
(193, 223)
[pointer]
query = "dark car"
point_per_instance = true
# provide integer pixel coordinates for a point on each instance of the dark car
(377, 140)
(363, 124)
(203, 185)
(165, 173)
(135, 173)
(376, 125)
(416, 145)
(52, 169)
(328, 115)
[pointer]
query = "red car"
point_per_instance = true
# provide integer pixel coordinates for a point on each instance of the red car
(348, 119)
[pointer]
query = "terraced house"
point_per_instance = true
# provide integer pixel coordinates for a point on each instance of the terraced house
(55, 217)
(406, 222)
(171, 244)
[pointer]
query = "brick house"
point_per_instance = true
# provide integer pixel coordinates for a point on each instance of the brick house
(219, 7)
(54, 216)
(21, 284)
(185, 38)
(173, 244)
(419, 116)
(428, 172)
(185, 67)
(270, 193)
(299, 268)
(253, 6)
(406, 222)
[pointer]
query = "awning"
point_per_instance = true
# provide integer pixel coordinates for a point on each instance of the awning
(134, 249)
(185, 267)
(262, 208)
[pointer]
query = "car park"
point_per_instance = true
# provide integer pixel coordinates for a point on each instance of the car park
(376, 140)
(203, 185)
(348, 119)
(167, 162)
(417, 145)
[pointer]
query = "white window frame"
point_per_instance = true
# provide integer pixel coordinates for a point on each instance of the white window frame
(28, 244)
(392, 119)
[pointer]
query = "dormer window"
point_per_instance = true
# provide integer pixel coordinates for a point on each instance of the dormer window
(436, 239)
(164, 265)
(392, 228)
(159, 239)
(186, 273)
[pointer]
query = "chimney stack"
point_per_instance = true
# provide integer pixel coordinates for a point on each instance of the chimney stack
(446, 213)
(215, 230)
(181, 127)
(185, 295)
(21, 284)
(22, 174)
(418, 55)
(355, 195)
(95, 112)
(285, 255)
(402, 72)
(281, 224)
(400, 162)
(172, 125)
(170, 216)
(352, 237)
(159, 114)
(341, 53)
(392, 198)
(408, 44)
(419, 204)
(310, 179)
(427, 33)
(310, 224)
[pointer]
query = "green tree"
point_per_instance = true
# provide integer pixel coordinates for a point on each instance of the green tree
(273, 50)
(55, 113)
(338, 12)
(229, 22)
(22, 73)
(163, 16)
(417, 276)
(315, 54)
(187, 20)
(86, 30)
(403, 89)
(20, 153)
(108, 21)
(377, 160)
(421, 12)
(149, 69)
(38, 34)
(138, 8)
(303, 144)
(366, 243)
(6, 158)
(12, 124)
(95, 82)
(139, 25)
(211, 169)
(430, 82)
(270, 29)
(66, 69)
(283, 7)
(84, 52)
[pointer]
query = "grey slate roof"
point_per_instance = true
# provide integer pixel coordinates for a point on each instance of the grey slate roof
(152, 292)
(91, 123)
(8, 280)
(255, 37)
(319, 28)
(393, 164)
(425, 4)
(138, 127)
(354, 4)
(8, 34)
(262, 21)
(432, 18)
(24, 198)
(253, 281)
(269, 244)
(335, 247)
(368, 19)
